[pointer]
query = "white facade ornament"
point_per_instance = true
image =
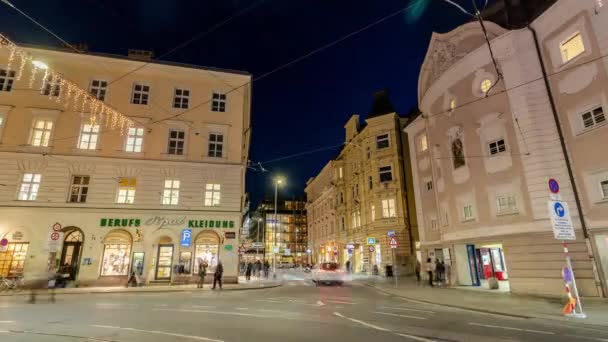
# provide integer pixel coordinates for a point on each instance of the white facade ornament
(581, 78)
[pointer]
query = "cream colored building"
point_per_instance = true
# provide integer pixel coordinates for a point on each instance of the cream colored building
(484, 150)
(155, 200)
(361, 195)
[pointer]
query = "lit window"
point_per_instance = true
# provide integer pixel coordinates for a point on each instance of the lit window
(497, 147)
(2, 122)
(468, 212)
(7, 77)
(171, 192)
(388, 208)
(382, 141)
(218, 102)
(506, 203)
(212, 195)
(181, 98)
(126, 190)
(88, 137)
(452, 104)
(177, 139)
(216, 145)
(594, 117)
(98, 89)
(486, 85)
(51, 86)
(79, 189)
(373, 213)
(429, 185)
(340, 173)
(141, 94)
(423, 143)
(572, 47)
(30, 183)
(135, 139)
(386, 173)
(604, 185)
(41, 133)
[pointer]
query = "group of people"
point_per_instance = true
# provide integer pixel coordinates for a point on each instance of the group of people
(435, 270)
(256, 268)
(217, 275)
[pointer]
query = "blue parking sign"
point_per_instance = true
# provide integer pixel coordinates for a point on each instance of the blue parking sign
(186, 237)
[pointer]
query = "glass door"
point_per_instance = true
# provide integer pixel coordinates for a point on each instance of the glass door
(164, 262)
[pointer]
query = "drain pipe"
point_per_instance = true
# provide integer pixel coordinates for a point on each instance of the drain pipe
(562, 141)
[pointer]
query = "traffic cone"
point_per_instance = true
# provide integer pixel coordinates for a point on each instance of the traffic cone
(569, 308)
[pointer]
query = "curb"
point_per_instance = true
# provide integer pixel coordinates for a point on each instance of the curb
(47, 292)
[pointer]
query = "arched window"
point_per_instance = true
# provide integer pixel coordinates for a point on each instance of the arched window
(206, 249)
(458, 153)
(116, 253)
(74, 236)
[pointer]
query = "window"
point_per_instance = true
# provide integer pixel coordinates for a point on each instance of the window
(98, 89)
(354, 222)
(2, 122)
(458, 153)
(41, 133)
(572, 47)
(79, 189)
(12, 260)
(218, 102)
(177, 138)
(116, 254)
(485, 85)
(382, 141)
(340, 173)
(368, 152)
(594, 117)
(434, 225)
(429, 185)
(140, 95)
(371, 182)
(88, 137)
(468, 212)
(216, 145)
(171, 192)
(373, 211)
(497, 147)
(212, 195)
(388, 208)
(341, 198)
(7, 77)
(342, 223)
(135, 139)
(181, 98)
(423, 143)
(51, 86)
(506, 203)
(386, 173)
(30, 183)
(126, 190)
(604, 186)
(452, 104)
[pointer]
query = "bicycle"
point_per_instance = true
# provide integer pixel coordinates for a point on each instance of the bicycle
(14, 283)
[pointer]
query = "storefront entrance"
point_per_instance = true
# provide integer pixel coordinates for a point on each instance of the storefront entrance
(164, 263)
(486, 263)
(71, 252)
(206, 250)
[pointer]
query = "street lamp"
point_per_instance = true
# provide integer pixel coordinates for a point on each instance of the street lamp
(277, 181)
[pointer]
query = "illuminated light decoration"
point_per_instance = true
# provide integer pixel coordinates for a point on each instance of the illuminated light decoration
(69, 92)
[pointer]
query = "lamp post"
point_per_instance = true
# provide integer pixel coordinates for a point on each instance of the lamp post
(277, 181)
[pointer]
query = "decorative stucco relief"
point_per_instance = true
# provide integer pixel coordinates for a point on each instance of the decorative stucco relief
(577, 80)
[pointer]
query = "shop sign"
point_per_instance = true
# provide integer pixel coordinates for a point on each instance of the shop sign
(161, 221)
(371, 240)
(3, 245)
(17, 236)
(230, 235)
(228, 247)
(186, 237)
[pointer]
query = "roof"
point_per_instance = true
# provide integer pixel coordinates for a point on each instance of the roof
(382, 104)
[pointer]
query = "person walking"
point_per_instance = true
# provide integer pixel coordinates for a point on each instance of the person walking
(202, 272)
(440, 267)
(217, 276)
(348, 266)
(266, 268)
(430, 267)
(258, 268)
(417, 271)
(248, 271)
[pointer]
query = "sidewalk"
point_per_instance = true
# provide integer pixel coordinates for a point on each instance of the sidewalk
(242, 285)
(496, 303)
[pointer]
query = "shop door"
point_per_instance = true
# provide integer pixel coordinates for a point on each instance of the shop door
(164, 263)
(70, 256)
(473, 265)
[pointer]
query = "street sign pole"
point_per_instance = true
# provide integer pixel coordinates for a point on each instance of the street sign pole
(580, 313)
(395, 268)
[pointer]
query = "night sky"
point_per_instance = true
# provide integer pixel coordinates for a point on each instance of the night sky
(301, 108)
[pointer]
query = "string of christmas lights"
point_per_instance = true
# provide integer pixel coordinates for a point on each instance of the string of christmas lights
(59, 88)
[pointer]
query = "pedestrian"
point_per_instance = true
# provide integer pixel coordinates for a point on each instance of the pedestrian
(248, 271)
(429, 270)
(258, 268)
(266, 268)
(202, 271)
(217, 276)
(348, 266)
(417, 270)
(440, 271)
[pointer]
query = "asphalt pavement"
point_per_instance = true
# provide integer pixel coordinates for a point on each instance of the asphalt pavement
(297, 311)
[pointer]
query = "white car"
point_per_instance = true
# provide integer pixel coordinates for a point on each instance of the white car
(329, 273)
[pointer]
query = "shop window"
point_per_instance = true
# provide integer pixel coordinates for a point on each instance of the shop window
(388, 208)
(604, 187)
(126, 190)
(79, 189)
(386, 173)
(171, 192)
(41, 132)
(185, 263)
(30, 183)
(212, 195)
(206, 250)
(572, 47)
(116, 253)
(89, 134)
(13, 259)
(382, 141)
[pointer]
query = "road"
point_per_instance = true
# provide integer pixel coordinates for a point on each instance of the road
(297, 311)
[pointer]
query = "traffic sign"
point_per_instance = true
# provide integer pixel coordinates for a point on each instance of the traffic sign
(393, 242)
(54, 236)
(3, 245)
(54, 240)
(371, 248)
(561, 221)
(553, 186)
(186, 237)
(390, 233)
(371, 240)
(57, 227)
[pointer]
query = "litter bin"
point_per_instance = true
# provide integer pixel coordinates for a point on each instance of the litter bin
(389, 270)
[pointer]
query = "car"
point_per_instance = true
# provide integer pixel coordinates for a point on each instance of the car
(329, 273)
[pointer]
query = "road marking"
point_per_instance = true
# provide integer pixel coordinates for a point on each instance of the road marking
(339, 302)
(361, 322)
(405, 309)
(516, 329)
(199, 338)
(7, 322)
(218, 313)
(587, 338)
(242, 308)
(416, 338)
(320, 303)
(539, 331)
(4, 331)
(396, 315)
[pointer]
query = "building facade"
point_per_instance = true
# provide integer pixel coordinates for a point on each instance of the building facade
(286, 234)
(488, 142)
(154, 200)
(361, 196)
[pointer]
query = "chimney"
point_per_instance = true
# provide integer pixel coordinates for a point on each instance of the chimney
(352, 127)
(145, 55)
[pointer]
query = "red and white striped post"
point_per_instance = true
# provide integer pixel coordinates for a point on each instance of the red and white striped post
(580, 313)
